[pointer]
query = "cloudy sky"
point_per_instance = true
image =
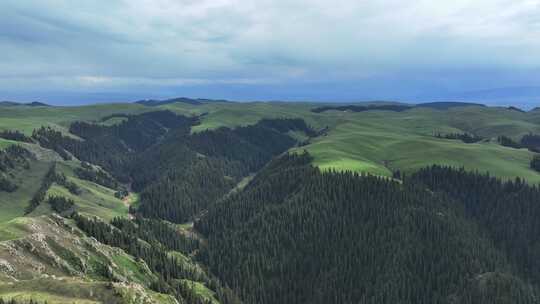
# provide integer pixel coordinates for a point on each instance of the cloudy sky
(71, 52)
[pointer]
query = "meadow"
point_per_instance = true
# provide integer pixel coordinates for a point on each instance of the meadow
(379, 142)
(372, 141)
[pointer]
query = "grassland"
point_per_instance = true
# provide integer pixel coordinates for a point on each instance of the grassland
(70, 290)
(14, 228)
(26, 119)
(58, 291)
(4, 143)
(202, 292)
(381, 141)
(243, 114)
(12, 204)
(94, 199)
(373, 141)
(376, 142)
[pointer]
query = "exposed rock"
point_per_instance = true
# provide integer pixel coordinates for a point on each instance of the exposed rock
(6, 267)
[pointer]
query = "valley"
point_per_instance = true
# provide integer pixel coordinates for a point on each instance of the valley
(211, 201)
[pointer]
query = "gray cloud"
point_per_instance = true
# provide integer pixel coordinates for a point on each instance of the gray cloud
(143, 46)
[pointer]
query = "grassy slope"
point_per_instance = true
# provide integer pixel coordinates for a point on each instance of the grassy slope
(242, 114)
(94, 199)
(374, 141)
(202, 291)
(14, 228)
(26, 118)
(4, 143)
(381, 141)
(12, 205)
(56, 291)
(44, 262)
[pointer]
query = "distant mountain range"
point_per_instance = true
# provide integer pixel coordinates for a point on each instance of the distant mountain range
(508, 92)
(525, 96)
(30, 104)
(445, 105)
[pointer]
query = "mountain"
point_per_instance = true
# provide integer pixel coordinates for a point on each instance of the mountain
(515, 109)
(523, 96)
(30, 104)
(269, 202)
(8, 103)
(504, 93)
(37, 104)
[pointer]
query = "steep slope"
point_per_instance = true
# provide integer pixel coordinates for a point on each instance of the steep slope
(177, 173)
(296, 235)
(23, 174)
(92, 199)
(51, 260)
(287, 234)
(159, 156)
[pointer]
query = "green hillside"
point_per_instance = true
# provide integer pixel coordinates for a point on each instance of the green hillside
(28, 182)
(26, 119)
(5, 143)
(361, 142)
(47, 258)
(381, 141)
(372, 141)
(182, 171)
(94, 199)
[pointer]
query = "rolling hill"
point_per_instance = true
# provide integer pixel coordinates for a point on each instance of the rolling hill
(208, 201)
(381, 141)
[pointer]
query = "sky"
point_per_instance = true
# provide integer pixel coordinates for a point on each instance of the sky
(75, 52)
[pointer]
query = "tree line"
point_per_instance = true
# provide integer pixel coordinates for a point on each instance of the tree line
(15, 135)
(530, 141)
(464, 137)
(61, 204)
